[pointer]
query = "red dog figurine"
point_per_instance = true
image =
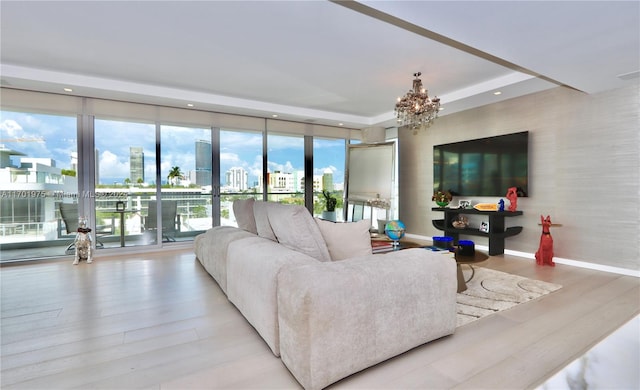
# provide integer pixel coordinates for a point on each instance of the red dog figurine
(544, 255)
(512, 195)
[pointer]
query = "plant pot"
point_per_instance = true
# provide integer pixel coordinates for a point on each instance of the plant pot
(442, 204)
(329, 215)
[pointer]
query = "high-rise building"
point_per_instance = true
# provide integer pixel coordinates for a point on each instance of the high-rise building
(203, 162)
(136, 164)
(238, 179)
(327, 180)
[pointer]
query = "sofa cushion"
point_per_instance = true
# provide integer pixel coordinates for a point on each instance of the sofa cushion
(243, 211)
(295, 228)
(263, 227)
(347, 239)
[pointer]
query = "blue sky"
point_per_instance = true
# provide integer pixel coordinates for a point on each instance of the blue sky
(49, 136)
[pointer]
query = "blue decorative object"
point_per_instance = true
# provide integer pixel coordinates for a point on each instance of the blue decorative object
(395, 231)
(501, 205)
(445, 242)
(466, 248)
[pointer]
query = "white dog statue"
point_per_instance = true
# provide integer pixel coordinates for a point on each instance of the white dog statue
(83, 243)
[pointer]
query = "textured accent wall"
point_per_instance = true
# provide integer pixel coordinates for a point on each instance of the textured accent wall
(584, 171)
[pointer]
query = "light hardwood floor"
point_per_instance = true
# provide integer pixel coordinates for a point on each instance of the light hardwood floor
(159, 321)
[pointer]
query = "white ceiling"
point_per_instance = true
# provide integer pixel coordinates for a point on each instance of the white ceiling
(320, 61)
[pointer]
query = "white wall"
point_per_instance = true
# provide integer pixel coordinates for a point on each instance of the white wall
(584, 171)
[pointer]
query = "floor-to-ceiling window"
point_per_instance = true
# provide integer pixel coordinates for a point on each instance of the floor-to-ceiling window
(240, 177)
(186, 176)
(121, 166)
(125, 171)
(38, 166)
(328, 174)
(285, 168)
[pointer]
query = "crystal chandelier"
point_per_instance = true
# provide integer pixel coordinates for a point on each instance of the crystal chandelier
(416, 108)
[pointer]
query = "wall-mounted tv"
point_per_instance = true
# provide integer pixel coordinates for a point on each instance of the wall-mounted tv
(483, 167)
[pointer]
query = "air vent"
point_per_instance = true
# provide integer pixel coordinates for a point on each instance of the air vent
(630, 75)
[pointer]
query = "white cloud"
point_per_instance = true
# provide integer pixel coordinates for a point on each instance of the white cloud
(110, 166)
(256, 168)
(286, 167)
(185, 161)
(321, 171)
(11, 129)
(230, 158)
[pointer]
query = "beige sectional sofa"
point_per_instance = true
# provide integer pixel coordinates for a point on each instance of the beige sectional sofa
(317, 295)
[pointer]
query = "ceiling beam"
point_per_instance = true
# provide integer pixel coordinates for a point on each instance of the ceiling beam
(403, 24)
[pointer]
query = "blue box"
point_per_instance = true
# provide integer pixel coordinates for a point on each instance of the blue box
(443, 242)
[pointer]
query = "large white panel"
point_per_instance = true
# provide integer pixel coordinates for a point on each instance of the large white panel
(370, 171)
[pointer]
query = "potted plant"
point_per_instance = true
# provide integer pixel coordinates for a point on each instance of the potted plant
(330, 203)
(442, 198)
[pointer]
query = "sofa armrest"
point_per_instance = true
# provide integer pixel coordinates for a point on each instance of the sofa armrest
(339, 318)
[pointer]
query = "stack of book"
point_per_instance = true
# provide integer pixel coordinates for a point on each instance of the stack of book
(381, 246)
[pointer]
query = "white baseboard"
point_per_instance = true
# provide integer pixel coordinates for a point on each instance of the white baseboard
(559, 260)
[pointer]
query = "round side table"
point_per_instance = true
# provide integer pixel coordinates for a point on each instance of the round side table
(478, 257)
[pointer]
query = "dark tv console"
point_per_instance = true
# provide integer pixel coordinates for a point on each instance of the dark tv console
(497, 233)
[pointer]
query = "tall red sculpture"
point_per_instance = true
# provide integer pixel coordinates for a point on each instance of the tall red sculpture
(512, 195)
(544, 255)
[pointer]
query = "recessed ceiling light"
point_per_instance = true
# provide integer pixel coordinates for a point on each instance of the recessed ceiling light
(189, 104)
(340, 124)
(441, 108)
(68, 90)
(497, 93)
(274, 115)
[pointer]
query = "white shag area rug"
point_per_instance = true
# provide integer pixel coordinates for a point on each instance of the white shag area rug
(492, 291)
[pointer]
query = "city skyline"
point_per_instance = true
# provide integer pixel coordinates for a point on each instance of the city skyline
(52, 136)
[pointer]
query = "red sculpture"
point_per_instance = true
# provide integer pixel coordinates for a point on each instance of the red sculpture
(512, 195)
(544, 255)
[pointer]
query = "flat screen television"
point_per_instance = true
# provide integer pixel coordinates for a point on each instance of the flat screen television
(483, 167)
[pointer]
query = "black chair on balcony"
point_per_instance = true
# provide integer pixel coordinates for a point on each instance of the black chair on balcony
(170, 219)
(70, 216)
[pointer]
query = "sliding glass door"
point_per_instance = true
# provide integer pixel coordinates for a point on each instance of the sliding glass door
(38, 167)
(240, 173)
(285, 168)
(125, 182)
(186, 175)
(328, 175)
